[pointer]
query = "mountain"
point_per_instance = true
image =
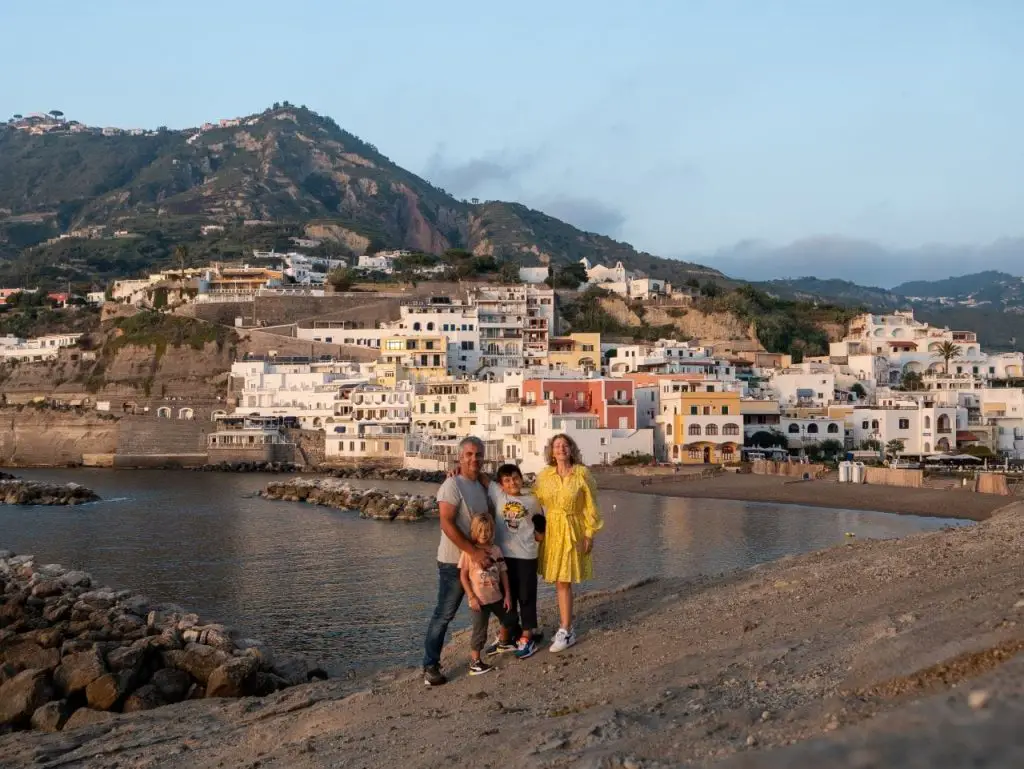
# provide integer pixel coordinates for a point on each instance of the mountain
(829, 257)
(264, 178)
(840, 291)
(990, 287)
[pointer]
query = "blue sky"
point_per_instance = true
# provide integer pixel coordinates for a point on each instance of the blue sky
(681, 126)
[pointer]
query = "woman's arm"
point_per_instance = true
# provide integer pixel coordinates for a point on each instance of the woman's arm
(592, 522)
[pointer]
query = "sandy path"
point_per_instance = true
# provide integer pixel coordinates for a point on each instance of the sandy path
(825, 493)
(671, 672)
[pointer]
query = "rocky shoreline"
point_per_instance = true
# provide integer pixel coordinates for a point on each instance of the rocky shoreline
(14, 491)
(73, 654)
(377, 504)
(249, 467)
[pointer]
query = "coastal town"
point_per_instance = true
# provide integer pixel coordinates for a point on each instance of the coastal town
(490, 360)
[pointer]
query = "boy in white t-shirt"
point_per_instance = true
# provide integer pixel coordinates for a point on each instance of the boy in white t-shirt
(518, 539)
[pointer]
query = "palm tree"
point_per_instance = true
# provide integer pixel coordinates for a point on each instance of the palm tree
(894, 447)
(947, 351)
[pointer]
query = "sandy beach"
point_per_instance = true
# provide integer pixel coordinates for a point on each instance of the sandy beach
(886, 653)
(937, 503)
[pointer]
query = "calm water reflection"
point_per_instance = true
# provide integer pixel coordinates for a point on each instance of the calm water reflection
(353, 593)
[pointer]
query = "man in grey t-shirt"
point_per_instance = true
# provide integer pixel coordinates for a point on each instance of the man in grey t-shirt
(460, 498)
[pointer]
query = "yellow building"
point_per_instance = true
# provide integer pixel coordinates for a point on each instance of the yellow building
(576, 352)
(416, 358)
(706, 426)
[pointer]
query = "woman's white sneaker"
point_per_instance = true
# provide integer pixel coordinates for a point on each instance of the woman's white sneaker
(563, 640)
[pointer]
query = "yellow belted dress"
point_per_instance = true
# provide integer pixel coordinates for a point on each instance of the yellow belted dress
(570, 505)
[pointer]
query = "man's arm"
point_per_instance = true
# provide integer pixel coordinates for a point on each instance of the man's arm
(451, 530)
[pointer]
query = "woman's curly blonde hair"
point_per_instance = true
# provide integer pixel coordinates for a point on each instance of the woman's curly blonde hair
(575, 457)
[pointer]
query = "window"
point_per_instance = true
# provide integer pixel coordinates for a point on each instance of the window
(351, 445)
(794, 428)
(693, 410)
(731, 429)
(927, 423)
(362, 445)
(416, 326)
(472, 407)
(694, 430)
(711, 430)
(451, 408)
(430, 344)
(423, 408)
(581, 398)
(833, 428)
(547, 395)
(394, 344)
(604, 441)
(696, 454)
(387, 446)
(874, 424)
(437, 360)
(430, 326)
(864, 425)
(904, 424)
(410, 344)
(812, 428)
(437, 408)
(506, 420)
(707, 410)
(725, 410)
(668, 429)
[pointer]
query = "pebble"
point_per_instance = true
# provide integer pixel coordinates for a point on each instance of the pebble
(978, 699)
(1019, 604)
(751, 741)
(765, 716)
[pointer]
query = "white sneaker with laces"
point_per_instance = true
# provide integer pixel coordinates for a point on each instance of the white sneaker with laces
(563, 640)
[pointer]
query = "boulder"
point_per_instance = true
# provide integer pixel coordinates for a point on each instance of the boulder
(198, 660)
(294, 670)
(128, 658)
(77, 671)
(47, 589)
(108, 690)
(51, 637)
(23, 695)
(28, 655)
(52, 716)
(172, 684)
(235, 678)
(76, 579)
(249, 647)
(7, 672)
(144, 698)
(88, 717)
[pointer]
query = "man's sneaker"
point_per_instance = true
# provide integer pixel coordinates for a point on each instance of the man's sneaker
(563, 640)
(479, 667)
(499, 647)
(432, 676)
(525, 648)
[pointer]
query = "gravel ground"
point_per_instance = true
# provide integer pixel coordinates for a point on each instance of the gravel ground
(896, 653)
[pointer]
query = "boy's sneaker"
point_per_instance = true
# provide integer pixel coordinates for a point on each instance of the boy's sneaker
(563, 640)
(525, 648)
(499, 647)
(432, 676)
(479, 667)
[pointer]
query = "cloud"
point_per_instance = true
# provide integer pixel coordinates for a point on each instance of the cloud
(465, 178)
(587, 214)
(861, 261)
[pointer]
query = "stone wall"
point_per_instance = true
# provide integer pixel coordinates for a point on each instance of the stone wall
(44, 437)
(273, 452)
(310, 446)
(147, 441)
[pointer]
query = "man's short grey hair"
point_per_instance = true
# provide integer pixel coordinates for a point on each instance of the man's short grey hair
(474, 441)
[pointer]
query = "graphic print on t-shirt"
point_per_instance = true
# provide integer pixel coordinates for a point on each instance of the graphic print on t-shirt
(513, 512)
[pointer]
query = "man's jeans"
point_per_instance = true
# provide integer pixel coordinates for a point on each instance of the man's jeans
(449, 599)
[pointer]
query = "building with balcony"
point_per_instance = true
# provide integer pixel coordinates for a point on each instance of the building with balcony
(702, 423)
(576, 352)
(609, 401)
(303, 389)
(415, 358)
(35, 350)
(924, 427)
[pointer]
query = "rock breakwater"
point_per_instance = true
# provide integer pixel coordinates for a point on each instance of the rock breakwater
(14, 491)
(249, 467)
(386, 474)
(72, 653)
(371, 503)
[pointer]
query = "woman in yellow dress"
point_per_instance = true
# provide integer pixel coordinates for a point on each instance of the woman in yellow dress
(566, 490)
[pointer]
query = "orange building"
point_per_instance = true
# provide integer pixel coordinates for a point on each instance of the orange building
(610, 400)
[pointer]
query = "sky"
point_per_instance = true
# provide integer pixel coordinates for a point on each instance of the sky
(689, 128)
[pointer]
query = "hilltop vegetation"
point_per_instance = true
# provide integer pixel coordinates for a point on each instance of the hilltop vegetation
(292, 170)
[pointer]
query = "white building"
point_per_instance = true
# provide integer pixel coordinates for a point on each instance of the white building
(802, 431)
(924, 427)
(34, 350)
(797, 387)
(455, 319)
(534, 275)
(304, 390)
(370, 423)
(306, 270)
(383, 261)
(516, 324)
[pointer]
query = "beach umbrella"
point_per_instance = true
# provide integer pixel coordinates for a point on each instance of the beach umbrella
(965, 458)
